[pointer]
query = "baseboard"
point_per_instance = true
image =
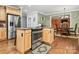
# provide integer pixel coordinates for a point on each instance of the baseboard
(77, 33)
(3, 40)
(46, 43)
(26, 52)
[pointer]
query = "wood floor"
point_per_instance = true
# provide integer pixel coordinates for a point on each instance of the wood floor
(64, 46)
(59, 46)
(9, 48)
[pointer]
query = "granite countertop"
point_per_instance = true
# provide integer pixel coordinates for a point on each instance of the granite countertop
(29, 28)
(23, 28)
(2, 28)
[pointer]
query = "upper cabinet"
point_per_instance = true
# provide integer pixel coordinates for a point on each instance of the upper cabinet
(13, 10)
(2, 13)
(4, 10)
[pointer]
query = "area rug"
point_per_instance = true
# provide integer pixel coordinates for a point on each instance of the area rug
(42, 49)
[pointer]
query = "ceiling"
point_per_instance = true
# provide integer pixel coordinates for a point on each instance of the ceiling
(49, 9)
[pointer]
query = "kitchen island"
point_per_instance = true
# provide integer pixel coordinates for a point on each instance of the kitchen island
(31, 38)
(23, 39)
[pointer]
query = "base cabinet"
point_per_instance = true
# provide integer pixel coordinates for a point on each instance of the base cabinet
(2, 13)
(48, 35)
(23, 40)
(2, 34)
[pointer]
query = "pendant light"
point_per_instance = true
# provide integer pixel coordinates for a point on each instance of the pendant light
(64, 12)
(64, 16)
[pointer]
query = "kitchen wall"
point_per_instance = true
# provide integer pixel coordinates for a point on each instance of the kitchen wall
(24, 19)
(47, 21)
(32, 19)
(74, 18)
(44, 20)
(41, 19)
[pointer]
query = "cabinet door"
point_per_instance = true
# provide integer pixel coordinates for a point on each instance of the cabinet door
(46, 35)
(20, 41)
(51, 35)
(12, 10)
(2, 14)
(27, 40)
(2, 34)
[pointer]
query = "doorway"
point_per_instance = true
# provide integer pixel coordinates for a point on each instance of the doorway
(55, 22)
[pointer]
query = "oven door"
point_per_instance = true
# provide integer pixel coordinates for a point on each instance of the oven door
(36, 38)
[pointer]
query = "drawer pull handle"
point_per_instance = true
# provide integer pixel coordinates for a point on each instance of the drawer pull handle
(21, 34)
(50, 31)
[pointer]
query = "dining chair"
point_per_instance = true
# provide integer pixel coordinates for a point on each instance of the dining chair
(73, 30)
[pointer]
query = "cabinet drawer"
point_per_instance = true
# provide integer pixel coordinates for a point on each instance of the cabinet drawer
(20, 33)
(28, 31)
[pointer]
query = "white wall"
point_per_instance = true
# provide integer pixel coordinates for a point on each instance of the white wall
(45, 21)
(24, 19)
(32, 19)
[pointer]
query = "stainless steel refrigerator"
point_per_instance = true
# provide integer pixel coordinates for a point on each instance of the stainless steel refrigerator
(12, 25)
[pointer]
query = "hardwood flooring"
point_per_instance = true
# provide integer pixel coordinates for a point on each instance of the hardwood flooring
(7, 47)
(59, 46)
(64, 46)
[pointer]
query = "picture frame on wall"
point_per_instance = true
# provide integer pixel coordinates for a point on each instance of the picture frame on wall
(42, 18)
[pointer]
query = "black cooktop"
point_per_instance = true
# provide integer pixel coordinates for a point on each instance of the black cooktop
(36, 29)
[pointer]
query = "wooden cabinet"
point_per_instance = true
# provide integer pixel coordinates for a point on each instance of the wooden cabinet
(23, 40)
(2, 13)
(48, 35)
(3, 34)
(13, 10)
(28, 40)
